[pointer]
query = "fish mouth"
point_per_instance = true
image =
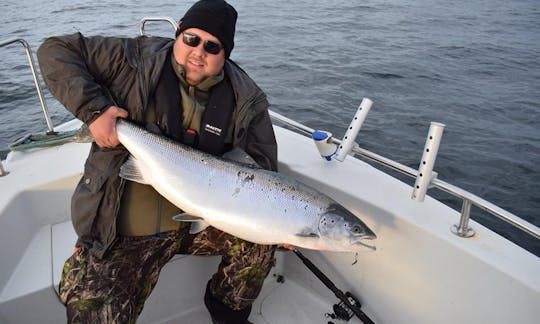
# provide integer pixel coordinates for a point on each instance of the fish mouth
(371, 247)
(368, 235)
(358, 241)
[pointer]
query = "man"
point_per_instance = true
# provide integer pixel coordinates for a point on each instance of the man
(186, 89)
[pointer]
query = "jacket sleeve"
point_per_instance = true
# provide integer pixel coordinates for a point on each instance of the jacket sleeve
(261, 142)
(78, 70)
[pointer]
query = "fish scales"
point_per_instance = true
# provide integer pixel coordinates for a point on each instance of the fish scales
(254, 204)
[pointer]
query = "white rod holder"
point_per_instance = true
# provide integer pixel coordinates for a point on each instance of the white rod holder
(425, 171)
(348, 141)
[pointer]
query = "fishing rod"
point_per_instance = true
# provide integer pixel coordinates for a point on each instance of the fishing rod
(347, 299)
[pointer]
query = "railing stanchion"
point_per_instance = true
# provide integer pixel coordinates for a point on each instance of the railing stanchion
(462, 229)
(2, 171)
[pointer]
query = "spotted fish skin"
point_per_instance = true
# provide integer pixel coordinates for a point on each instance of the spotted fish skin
(241, 199)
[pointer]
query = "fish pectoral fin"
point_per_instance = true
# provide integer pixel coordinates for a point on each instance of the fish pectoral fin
(307, 234)
(130, 171)
(239, 155)
(197, 227)
(198, 224)
(187, 218)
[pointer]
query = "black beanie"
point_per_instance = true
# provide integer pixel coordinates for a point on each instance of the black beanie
(216, 17)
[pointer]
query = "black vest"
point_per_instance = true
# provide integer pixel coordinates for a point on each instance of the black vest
(216, 119)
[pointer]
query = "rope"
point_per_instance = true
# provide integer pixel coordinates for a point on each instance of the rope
(32, 141)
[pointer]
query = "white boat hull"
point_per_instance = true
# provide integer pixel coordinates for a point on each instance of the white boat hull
(420, 273)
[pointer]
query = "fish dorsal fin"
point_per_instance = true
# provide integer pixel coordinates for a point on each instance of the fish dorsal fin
(130, 171)
(198, 224)
(239, 155)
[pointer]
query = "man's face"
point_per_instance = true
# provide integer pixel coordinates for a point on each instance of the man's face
(198, 63)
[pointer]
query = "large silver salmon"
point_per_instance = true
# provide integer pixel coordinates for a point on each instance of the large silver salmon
(241, 199)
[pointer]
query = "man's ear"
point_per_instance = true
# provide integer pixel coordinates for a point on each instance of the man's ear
(178, 28)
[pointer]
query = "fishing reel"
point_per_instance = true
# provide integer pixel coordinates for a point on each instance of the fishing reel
(349, 305)
(342, 311)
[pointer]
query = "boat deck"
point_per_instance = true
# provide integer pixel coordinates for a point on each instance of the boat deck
(178, 295)
(420, 273)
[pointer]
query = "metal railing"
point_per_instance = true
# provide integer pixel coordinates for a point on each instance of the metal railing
(461, 229)
(163, 19)
(34, 75)
(30, 58)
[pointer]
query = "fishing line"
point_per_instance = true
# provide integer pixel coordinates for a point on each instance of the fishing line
(355, 259)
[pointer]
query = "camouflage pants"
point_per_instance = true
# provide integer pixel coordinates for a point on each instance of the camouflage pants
(114, 289)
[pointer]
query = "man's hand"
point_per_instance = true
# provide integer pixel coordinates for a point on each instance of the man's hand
(104, 127)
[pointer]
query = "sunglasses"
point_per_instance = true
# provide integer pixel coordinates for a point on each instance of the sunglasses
(193, 40)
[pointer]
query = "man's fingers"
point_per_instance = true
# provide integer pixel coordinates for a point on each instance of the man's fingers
(288, 246)
(117, 112)
(104, 127)
(123, 113)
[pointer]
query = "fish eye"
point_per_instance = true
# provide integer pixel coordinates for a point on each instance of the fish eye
(356, 229)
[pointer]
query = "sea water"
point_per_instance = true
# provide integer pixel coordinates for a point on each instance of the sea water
(472, 65)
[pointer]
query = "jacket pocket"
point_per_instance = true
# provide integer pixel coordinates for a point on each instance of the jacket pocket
(86, 201)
